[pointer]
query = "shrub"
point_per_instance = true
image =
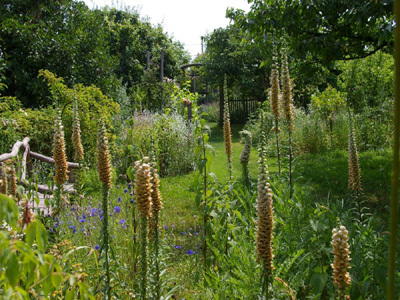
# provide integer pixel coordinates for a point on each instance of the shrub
(168, 137)
(211, 111)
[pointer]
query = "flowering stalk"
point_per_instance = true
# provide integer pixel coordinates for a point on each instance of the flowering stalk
(60, 160)
(287, 104)
(265, 218)
(13, 183)
(144, 203)
(245, 156)
(155, 210)
(77, 143)
(4, 183)
(341, 251)
(274, 101)
(354, 183)
(104, 170)
(227, 129)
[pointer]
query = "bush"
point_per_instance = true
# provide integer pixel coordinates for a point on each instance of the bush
(168, 137)
(211, 111)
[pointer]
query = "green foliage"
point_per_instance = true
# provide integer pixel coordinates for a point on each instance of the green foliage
(17, 123)
(368, 82)
(325, 31)
(92, 104)
(31, 271)
(329, 102)
(106, 48)
(167, 136)
(231, 52)
(210, 112)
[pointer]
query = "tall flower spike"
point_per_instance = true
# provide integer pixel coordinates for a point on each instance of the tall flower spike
(155, 195)
(76, 133)
(341, 251)
(354, 166)
(274, 81)
(4, 182)
(287, 91)
(245, 155)
(227, 124)
(143, 187)
(59, 155)
(265, 214)
(13, 182)
(103, 156)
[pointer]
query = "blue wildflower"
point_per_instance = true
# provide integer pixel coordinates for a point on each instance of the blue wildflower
(117, 209)
(82, 220)
(178, 247)
(125, 191)
(196, 233)
(131, 201)
(129, 186)
(122, 222)
(165, 227)
(97, 247)
(119, 199)
(183, 233)
(189, 252)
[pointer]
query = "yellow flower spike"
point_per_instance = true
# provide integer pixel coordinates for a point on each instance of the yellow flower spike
(103, 156)
(265, 220)
(76, 133)
(3, 187)
(287, 101)
(227, 124)
(143, 187)
(274, 92)
(59, 155)
(13, 182)
(341, 251)
(156, 195)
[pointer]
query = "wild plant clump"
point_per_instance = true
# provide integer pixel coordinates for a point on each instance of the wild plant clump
(169, 136)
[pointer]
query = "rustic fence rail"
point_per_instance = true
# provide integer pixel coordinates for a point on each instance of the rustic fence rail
(240, 109)
(27, 165)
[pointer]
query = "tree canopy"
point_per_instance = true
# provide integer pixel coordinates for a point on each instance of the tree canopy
(106, 48)
(326, 30)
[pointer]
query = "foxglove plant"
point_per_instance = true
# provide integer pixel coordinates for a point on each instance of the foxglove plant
(227, 129)
(287, 103)
(60, 160)
(340, 266)
(245, 156)
(104, 170)
(77, 143)
(265, 218)
(274, 101)
(144, 203)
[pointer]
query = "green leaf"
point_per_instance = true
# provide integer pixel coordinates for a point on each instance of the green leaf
(12, 270)
(30, 233)
(41, 236)
(8, 210)
(317, 282)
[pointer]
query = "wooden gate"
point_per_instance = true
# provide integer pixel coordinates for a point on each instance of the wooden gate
(240, 109)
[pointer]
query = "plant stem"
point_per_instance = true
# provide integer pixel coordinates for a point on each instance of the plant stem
(156, 250)
(394, 216)
(277, 145)
(205, 205)
(144, 255)
(105, 190)
(290, 164)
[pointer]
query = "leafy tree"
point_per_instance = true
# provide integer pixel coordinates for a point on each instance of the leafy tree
(326, 30)
(230, 52)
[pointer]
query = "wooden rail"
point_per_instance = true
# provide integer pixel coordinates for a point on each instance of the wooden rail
(27, 164)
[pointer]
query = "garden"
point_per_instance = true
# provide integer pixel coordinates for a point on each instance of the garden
(158, 190)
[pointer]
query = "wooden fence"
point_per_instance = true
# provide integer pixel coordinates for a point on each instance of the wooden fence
(27, 166)
(240, 109)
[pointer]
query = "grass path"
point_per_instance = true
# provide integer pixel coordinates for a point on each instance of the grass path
(178, 193)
